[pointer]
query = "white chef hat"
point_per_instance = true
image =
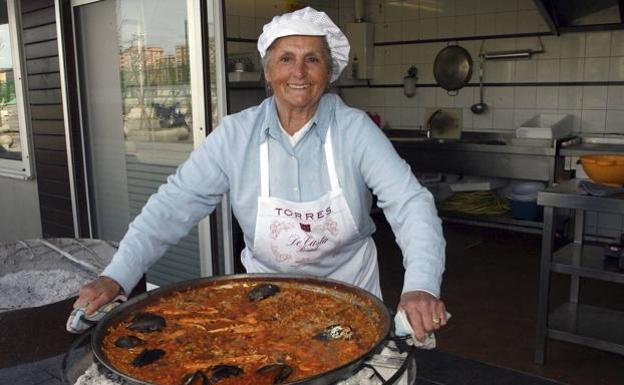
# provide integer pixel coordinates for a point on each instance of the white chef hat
(308, 21)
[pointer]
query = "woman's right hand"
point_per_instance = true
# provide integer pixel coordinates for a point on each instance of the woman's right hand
(97, 293)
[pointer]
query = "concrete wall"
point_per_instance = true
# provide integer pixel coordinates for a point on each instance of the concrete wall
(19, 209)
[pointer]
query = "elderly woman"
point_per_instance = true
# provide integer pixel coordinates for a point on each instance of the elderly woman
(299, 168)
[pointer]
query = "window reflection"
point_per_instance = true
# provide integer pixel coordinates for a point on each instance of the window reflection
(10, 141)
(154, 74)
(136, 109)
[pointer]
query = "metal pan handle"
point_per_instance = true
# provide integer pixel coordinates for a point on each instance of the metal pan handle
(75, 345)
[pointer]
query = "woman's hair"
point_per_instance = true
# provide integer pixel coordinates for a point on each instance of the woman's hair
(326, 54)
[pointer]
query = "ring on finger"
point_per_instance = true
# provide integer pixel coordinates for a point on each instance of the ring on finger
(436, 320)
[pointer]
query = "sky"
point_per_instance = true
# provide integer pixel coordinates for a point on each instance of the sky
(161, 21)
(5, 47)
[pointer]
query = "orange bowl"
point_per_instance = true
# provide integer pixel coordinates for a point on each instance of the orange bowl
(605, 169)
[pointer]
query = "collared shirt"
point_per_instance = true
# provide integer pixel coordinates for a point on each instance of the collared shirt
(296, 137)
(228, 161)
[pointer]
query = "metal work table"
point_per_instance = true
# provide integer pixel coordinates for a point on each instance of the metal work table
(591, 148)
(470, 158)
(483, 154)
(572, 321)
(603, 144)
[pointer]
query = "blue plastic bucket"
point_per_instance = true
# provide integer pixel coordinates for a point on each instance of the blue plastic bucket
(525, 210)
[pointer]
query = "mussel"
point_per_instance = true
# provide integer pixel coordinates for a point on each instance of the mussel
(147, 322)
(262, 291)
(335, 332)
(282, 371)
(148, 356)
(129, 341)
(189, 379)
(220, 372)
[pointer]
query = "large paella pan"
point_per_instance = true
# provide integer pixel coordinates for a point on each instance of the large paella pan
(243, 329)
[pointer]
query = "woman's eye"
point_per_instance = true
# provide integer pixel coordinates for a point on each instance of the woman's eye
(313, 59)
(284, 59)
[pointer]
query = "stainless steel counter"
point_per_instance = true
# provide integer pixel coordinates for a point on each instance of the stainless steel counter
(566, 195)
(606, 144)
(483, 154)
(592, 148)
(575, 321)
(467, 145)
(487, 158)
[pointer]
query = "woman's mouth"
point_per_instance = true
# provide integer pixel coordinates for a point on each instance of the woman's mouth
(298, 86)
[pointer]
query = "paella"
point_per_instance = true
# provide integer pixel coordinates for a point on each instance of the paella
(241, 332)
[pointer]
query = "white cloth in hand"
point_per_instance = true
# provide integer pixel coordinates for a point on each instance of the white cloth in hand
(403, 328)
(78, 322)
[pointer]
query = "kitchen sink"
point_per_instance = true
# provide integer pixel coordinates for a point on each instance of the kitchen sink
(466, 137)
(423, 139)
(495, 142)
(486, 154)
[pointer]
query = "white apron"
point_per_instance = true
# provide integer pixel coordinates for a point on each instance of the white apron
(316, 237)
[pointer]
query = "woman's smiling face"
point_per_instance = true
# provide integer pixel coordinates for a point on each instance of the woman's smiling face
(298, 70)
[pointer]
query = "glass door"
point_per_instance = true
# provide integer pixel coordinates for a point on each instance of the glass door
(143, 110)
(14, 142)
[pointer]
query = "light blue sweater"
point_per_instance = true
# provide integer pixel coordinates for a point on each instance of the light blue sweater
(228, 161)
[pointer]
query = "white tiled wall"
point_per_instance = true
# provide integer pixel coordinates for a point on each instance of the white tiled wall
(245, 18)
(574, 57)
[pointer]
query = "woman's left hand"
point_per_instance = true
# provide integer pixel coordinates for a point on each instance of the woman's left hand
(425, 312)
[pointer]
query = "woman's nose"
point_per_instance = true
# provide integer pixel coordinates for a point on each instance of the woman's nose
(299, 68)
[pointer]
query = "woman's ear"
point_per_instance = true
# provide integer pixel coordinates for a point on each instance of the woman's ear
(267, 83)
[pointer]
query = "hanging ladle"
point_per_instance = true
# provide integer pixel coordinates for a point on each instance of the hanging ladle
(480, 107)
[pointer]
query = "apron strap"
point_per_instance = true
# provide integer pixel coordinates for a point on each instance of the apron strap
(264, 168)
(331, 165)
(329, 157)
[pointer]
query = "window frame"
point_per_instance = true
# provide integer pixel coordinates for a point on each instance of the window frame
(19, 169)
